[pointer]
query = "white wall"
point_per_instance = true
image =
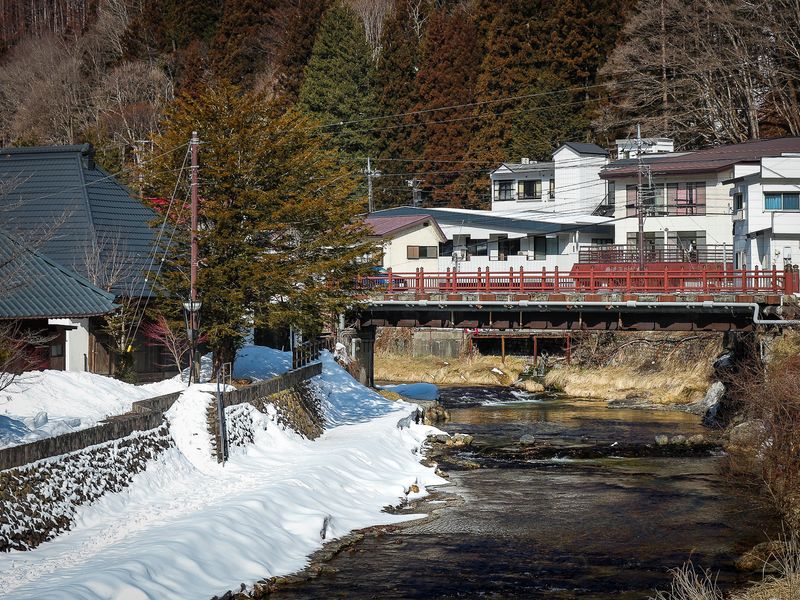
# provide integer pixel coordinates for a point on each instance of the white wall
(578, 183)
(716, 222)
(76, 348)
(395, 251)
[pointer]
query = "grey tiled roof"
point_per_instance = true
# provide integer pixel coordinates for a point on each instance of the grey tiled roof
(584, 148)
(54, 198)
(33, 286)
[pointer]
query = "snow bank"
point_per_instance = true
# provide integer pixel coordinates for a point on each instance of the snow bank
(260, 362)
(46, 403)
(417, 391)
(189, 528)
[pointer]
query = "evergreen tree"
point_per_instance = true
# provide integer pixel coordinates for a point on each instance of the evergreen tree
(338, 85)
(396, 91)
(279, 238)
(238, 50)
(448, 71)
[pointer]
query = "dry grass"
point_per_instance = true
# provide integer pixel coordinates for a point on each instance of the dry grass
(668, 386)
(464, 371)
(690, 583)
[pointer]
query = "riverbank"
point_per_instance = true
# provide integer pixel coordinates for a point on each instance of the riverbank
(650, 368)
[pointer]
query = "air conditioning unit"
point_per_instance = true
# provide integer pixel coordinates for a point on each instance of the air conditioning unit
(460, 254)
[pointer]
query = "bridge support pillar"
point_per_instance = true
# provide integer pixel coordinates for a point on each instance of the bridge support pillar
(363, 351)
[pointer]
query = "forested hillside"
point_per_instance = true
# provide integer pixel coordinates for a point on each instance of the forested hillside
(436, 92)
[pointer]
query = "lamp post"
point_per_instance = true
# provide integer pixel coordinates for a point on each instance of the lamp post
(191, 314)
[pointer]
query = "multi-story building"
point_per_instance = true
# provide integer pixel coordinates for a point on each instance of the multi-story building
(685, 199)
(766, 212)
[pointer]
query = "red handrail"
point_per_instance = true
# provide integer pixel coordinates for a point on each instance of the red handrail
(666, 281)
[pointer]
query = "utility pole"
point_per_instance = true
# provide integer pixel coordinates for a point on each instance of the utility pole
(194, 304)
(640, 198)
(370, 201)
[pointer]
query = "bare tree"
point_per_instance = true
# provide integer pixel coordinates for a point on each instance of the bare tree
(704, 72)
(373, 14)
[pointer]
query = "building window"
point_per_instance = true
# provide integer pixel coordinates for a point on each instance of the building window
(415, 252)
(504, 190)
(631, 200)
(543, 245)
(529, 189)
(552, 189)
(782, 201)
(611, 192)
(56, 350)
(738, 201)
(602, 241)
(686, 198)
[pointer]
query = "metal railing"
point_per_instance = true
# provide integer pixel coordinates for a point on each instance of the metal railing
(308, 352)
(629, 281)
(625, 253)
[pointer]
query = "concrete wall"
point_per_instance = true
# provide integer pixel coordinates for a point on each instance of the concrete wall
(439, 343)
(76, 347)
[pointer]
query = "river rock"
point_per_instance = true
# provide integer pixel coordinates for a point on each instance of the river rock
(762, 557)
(436, 413)
(746, 435)
(459, 440)
(696, 440)
(527, 439)
(662, 440)
(677, 440)
(439, 438)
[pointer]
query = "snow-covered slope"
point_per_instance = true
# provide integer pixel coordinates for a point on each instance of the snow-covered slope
(45, 403)
(190, 528)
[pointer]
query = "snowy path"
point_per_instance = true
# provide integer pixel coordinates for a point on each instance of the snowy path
(189, 528)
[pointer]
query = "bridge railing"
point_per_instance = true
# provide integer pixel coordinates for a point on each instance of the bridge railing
(307, 352)
(555, 281)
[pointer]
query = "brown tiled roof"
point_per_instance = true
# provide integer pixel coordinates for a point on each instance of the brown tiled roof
(382, 226)
(710, 160)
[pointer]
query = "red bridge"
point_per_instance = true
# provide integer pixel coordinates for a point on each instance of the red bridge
(677, 278)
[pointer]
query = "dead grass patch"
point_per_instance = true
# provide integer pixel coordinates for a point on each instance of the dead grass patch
(669, 386)
(478, 370)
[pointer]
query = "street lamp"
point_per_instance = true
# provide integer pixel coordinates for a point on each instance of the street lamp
(191, 316)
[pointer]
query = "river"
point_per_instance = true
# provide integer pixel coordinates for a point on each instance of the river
(555, 528)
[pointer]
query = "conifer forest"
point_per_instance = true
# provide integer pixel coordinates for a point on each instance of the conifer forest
(434, 92)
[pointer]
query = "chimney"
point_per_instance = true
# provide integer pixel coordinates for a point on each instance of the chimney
(87, 151)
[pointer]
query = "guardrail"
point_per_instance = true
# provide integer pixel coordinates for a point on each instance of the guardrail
(308, 352)
(522, 281)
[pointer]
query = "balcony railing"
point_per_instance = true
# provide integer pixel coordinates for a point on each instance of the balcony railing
(621, 253)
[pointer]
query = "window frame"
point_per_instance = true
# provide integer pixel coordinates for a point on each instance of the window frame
(781, 196)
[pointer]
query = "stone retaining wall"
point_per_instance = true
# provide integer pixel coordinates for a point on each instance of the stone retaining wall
(38, 501)
(294, 400)
(145, 414)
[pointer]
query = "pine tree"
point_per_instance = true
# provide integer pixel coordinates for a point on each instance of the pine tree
(338, 85)
(238, 51)
(279, 238)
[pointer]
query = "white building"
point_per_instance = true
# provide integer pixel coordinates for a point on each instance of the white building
(408, 242)
(485, 239)
(685, 197)
(569, 184)
(766, 212)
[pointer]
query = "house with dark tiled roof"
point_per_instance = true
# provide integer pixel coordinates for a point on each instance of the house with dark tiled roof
(42, 296)
(57, 200)
(687, 197)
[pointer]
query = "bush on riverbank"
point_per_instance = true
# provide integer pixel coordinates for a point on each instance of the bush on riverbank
(770, 396)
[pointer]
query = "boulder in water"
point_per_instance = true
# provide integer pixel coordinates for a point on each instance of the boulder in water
(678, 440)
(527, 439)
(662, 440)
